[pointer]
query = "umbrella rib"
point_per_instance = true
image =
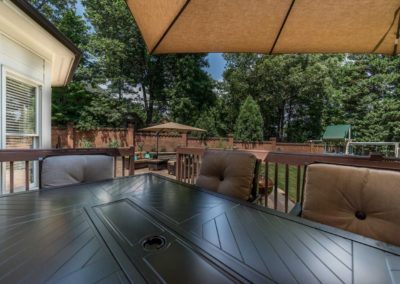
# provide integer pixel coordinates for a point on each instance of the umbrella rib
(396, 43)
(282, 26)
(170, 26)
(387, 32)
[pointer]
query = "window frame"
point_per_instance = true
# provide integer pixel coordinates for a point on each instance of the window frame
(7, 72)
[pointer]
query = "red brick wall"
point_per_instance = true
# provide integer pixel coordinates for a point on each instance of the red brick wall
(69, 138)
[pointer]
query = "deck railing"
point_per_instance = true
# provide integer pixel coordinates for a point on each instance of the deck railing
(188, 163)
(285, 171)
(27, 158)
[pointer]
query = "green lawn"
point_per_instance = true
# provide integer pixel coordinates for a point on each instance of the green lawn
(281, 177)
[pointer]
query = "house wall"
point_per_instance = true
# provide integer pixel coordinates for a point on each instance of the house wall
(19, 61)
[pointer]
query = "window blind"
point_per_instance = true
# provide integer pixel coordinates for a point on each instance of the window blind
(20, 108)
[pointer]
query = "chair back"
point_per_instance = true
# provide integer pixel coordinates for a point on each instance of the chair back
(229, 172)
(67, 170)
(360, 200)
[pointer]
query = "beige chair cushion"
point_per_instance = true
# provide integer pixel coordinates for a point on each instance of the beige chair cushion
(360, 200)
(66, 170)
(228, 172)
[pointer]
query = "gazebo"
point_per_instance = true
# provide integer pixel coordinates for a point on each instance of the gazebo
(170, 127)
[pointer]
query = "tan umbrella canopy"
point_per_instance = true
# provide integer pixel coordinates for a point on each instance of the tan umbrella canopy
(171, 127)
(268, 26)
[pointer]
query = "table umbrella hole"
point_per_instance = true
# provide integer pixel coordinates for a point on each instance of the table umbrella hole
(154, 243)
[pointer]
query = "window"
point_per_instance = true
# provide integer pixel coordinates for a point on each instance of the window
(21, 115)
(21, 108)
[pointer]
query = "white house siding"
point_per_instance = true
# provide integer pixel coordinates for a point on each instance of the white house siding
(17, 60)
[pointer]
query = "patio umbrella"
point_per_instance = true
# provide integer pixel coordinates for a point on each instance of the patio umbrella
(268, 26)
(171, 127)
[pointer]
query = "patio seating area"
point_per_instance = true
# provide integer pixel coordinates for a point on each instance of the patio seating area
(92, 191)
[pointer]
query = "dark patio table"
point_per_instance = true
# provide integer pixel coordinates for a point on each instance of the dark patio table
(148, 228)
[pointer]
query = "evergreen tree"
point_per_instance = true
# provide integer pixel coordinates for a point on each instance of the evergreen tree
(249, 125)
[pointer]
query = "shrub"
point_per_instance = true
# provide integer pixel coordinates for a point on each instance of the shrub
(87, 144)
(114, 144)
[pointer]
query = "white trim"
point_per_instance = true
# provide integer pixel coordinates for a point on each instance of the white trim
(2, 126)
(20, 43)
(10, 72)
(16, 26)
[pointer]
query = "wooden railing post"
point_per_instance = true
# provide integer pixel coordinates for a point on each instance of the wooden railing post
(11, 177)
(26, 175)
(132, 161)
(178, 166)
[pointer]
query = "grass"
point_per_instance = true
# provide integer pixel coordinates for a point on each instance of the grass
(281, 177)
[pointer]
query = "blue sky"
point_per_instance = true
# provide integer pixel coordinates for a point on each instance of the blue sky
(216, 61)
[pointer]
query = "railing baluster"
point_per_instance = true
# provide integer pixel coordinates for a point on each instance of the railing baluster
(276, 187)
(131, 165)
(178, 166)
(192, 169)
(123, 166)
(184, 167)
(266, 180)
(298, 184)
(115, 166)
(26, 175)
(286, 187)
(11, 177)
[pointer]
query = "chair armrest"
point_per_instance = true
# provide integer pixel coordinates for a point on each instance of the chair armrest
(296, 211)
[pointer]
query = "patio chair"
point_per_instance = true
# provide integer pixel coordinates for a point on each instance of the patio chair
(360, 200)
(232, 173)
(56, 171)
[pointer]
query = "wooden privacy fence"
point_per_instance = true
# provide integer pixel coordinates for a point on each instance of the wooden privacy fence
(26, 158)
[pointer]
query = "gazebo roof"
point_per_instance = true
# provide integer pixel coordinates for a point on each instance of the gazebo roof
(172, 127)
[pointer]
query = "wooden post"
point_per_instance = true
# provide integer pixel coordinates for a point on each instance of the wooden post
(231, 142)
(273, 143)
(184, 139)
(70, 135)
(132, 161)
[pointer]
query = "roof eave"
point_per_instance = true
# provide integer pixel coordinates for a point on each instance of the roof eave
(51, 29)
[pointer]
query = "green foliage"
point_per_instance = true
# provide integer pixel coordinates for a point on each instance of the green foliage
(163, 149)
(85, 143)
(140, 146)
(105, 111)
(221, 144)
(249, 125)
(114, 144)
(153, 148)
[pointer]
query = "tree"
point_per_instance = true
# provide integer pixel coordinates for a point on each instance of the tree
(173, 86)
(291, 91)
(249, 125)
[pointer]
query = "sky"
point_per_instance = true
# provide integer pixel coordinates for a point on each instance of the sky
(215, 60)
